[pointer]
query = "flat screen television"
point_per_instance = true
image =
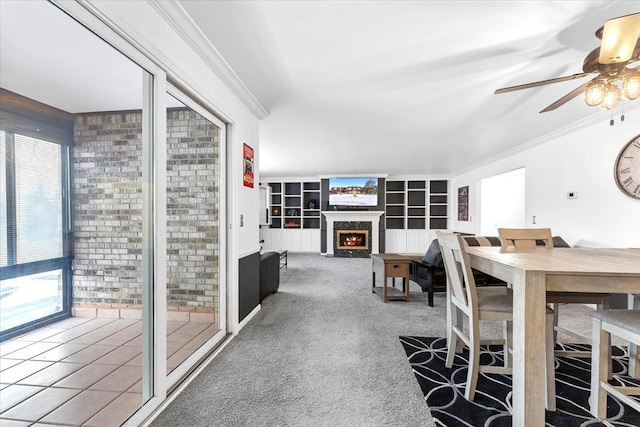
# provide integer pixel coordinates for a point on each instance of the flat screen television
(353, 191)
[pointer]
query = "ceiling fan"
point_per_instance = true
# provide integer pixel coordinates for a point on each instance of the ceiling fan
(615, 62)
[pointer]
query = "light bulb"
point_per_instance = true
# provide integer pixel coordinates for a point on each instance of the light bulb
(595, 93)
(631, 87)
(611, 97)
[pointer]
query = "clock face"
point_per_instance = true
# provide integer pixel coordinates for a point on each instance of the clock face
(627, 168)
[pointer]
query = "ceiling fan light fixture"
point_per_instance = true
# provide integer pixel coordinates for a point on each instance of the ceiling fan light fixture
(611, 97)
(631, 87)
(594, 94)
(616, 62)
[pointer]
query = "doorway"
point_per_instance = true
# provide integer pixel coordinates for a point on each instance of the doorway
(502, 200)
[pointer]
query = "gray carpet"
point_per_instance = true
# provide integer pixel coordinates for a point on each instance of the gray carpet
(323, 351)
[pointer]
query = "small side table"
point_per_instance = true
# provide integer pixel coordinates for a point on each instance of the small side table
(391, 266)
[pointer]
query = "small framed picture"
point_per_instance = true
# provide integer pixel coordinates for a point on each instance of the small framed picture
(247, 176)
(463, 203)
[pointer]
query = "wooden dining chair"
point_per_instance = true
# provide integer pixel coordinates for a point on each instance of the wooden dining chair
(532, 237)
(626, 325)
(525, 237)
(464, 300)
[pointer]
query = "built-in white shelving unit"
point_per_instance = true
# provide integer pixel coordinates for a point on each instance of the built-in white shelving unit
(295, 216)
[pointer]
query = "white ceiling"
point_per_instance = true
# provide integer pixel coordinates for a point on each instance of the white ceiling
(351, 87)
(404, 87)
(49, 57)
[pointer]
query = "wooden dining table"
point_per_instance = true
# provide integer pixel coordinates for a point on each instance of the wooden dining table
(532, 272)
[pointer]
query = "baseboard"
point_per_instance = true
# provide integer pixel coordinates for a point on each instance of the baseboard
(248, 318)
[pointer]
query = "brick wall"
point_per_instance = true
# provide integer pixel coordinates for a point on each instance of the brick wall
(108, 210)
(192, 211)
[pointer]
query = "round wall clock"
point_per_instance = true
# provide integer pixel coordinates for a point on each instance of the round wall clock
(627, 168)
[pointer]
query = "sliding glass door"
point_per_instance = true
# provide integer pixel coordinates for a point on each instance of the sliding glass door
(195, 315)
(78, 157)
(112, 214)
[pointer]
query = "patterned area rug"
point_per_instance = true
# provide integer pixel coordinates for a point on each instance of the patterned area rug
(444, 388)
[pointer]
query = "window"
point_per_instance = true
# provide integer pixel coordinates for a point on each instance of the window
(36, 262)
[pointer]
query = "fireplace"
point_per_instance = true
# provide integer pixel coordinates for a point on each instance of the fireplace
(352, 221)
(352, 239)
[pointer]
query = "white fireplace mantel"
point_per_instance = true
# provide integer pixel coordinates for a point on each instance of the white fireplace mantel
(354, 216)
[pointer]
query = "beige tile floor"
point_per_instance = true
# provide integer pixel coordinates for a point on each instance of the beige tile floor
(83, 371)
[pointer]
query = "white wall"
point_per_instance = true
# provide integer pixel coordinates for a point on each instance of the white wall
(501, 200)
(581, 161)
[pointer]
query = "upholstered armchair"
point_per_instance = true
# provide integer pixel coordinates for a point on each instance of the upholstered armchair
(428, 272)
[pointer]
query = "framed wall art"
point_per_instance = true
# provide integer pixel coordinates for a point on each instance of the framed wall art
(463, 203)
(247, 176)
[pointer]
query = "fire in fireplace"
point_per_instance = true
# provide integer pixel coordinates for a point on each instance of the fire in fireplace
(352, 239)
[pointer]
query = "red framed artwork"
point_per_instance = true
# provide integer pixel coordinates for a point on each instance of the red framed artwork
(247, 175)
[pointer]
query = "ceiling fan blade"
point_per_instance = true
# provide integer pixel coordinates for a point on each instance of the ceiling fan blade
(541, 83)
(619, 39)
(568, 97)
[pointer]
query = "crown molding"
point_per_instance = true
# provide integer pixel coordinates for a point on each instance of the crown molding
(587, 121)
(175, 15)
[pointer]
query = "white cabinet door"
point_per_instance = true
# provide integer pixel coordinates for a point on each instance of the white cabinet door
(272, 239)
(418, 241)
(395, 241)
(291, 240)
(310, 241)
